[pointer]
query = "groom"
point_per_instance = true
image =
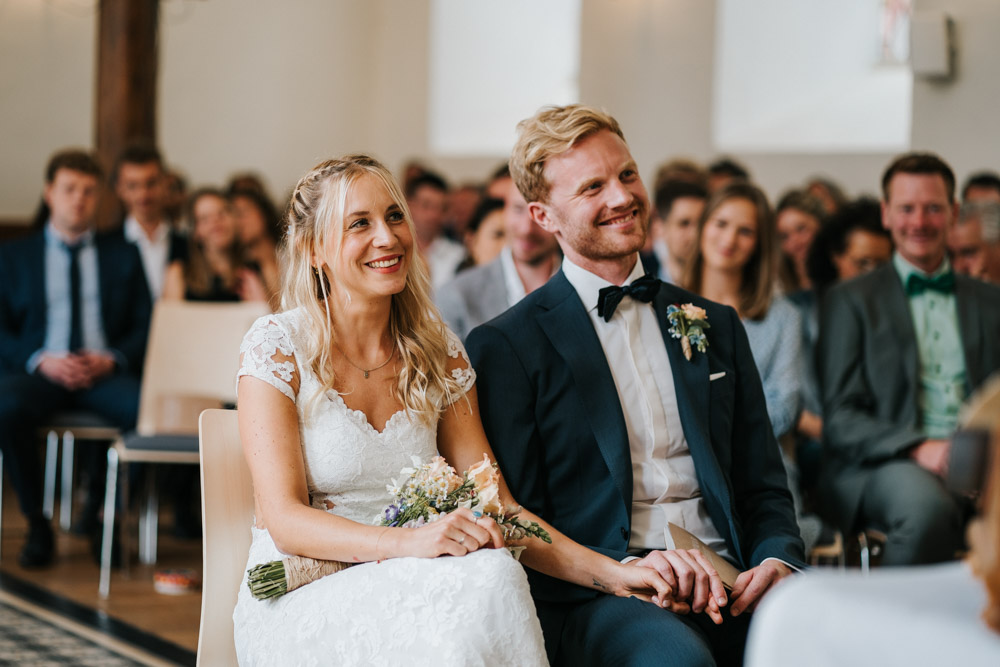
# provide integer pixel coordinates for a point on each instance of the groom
(605, 427)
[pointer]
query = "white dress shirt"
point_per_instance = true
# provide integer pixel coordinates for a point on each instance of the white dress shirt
(443, 256)
(511, 279)
(664, 485)
(154, 252)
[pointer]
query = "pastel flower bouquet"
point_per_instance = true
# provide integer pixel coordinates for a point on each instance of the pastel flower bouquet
(426, 493)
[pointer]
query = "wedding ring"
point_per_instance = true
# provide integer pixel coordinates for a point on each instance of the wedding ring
(461, 540)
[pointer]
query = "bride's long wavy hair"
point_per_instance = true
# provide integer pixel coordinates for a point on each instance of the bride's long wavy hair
(315, 218)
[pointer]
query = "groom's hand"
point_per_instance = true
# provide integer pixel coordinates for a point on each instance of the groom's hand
(751, 585)
(691, 577)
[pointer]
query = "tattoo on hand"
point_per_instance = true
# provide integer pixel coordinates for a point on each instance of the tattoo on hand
(599, 585)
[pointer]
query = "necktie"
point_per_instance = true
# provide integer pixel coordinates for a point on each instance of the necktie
(76, 310)
(641, 289)
(917, 284)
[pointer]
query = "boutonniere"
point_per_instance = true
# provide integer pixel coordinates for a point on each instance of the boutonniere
(688, 323)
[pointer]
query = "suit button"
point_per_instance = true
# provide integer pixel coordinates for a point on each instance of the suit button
(624, 534)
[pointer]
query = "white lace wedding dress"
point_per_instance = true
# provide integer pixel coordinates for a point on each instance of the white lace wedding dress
(473, 610)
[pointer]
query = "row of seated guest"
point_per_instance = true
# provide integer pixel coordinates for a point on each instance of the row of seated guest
(817, 252)
(74, 316)
(900, 348)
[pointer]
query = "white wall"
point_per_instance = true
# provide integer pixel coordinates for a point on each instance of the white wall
(958, 118)
(47, 66)
(274, 87)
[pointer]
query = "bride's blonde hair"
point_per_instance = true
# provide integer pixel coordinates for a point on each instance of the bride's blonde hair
(315, 217)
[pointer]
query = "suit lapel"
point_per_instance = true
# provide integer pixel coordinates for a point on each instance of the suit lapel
(35, 273)
(692, 392)
(890, 295)
(691, 375)
(494, 288)
(969, 329)
(568, 327)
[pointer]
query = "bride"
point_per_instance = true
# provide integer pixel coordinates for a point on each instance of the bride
(336, 395)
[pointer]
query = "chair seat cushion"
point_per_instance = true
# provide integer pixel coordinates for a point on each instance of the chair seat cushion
(171, 443)
(78, 419)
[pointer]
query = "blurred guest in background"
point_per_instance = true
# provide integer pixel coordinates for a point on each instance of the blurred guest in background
(258, 229)
(461, 206)
(426, 196)
(851, 243)
(983, 186)
(140, 182)
(799, 216)
(530, 257)
(485, 234)
(974, 241)
(214, 269)
(680, 169)
(678, 207)
(829, 194)
(724, 171)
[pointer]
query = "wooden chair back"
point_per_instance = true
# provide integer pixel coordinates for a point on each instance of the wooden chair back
(191, 362)
(227, 513)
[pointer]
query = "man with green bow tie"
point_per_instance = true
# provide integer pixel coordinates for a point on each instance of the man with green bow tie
(900, 349)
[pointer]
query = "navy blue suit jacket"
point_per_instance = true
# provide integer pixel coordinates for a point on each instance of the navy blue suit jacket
(553, 417)
(125, 301)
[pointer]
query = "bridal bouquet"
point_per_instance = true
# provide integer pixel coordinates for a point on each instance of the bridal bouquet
(426, 493)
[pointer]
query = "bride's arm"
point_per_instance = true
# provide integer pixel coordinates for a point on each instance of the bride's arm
(269, 430)
(462, 441)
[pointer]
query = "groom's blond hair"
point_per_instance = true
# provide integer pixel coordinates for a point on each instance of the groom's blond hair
(550, 132)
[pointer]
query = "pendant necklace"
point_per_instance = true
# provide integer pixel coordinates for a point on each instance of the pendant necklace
(366, 371)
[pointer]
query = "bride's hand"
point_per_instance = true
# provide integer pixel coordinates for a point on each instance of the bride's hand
(455, 534)
(646, 584)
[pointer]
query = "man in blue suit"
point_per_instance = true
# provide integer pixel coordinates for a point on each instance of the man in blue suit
(74, 316)
(611, 427)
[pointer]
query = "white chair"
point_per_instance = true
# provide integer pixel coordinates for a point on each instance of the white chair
(227, 510)
(191, 363)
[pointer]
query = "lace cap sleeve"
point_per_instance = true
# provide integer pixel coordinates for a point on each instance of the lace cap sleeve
(267, 354)
(462, 372)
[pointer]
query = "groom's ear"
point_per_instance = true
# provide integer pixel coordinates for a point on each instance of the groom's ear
(541, 215)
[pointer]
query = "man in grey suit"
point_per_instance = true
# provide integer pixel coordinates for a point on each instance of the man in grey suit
(900, 349)
(529, 259)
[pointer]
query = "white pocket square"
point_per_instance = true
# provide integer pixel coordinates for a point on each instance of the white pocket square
(715, 376)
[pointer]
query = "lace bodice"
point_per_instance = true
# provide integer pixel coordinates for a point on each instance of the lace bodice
(348, 461)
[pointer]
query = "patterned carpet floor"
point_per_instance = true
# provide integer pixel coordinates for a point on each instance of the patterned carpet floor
(28, 640)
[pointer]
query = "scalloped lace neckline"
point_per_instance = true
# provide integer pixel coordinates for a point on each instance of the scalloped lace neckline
(361, 418)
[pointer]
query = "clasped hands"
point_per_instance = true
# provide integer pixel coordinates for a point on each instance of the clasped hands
(78, 370)
(683, 581)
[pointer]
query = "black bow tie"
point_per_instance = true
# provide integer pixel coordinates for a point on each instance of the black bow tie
(641, 289)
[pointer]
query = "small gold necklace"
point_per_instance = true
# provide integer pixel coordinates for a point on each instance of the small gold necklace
(366, 371)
